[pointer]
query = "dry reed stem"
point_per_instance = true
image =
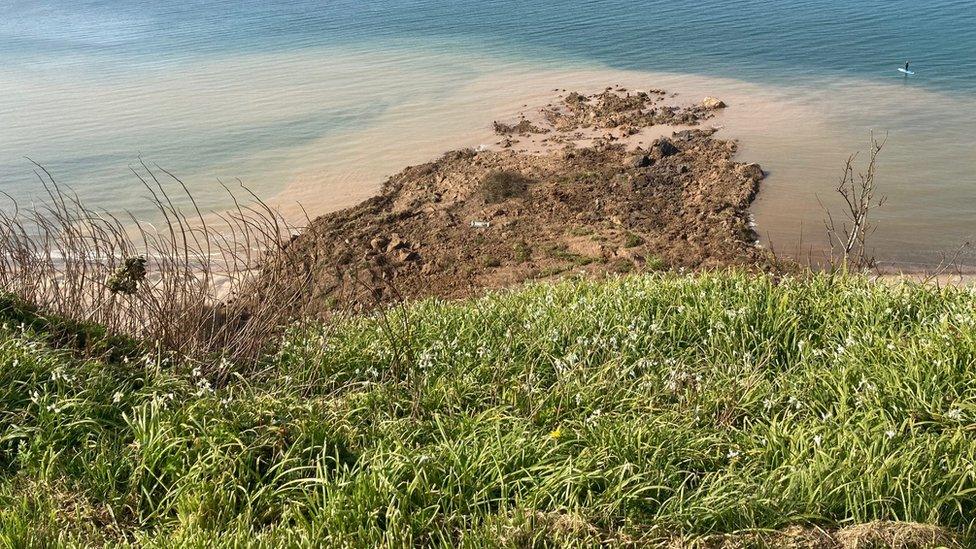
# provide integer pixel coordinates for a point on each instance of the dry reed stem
(214, 286)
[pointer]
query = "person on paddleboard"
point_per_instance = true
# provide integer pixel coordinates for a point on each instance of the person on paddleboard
(906, 65)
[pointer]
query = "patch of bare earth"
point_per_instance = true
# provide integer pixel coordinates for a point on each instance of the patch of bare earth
(563, 529)
(872, 535)
(590, 198)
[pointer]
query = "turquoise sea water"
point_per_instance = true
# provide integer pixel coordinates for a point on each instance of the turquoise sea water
(300, 95)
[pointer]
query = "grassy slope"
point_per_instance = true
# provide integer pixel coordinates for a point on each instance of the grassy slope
(637, 409)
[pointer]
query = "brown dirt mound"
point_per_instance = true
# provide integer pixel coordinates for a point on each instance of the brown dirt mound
(618, 107)
(485, 219)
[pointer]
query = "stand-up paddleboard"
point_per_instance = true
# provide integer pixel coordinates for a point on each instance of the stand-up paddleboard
(906, 71)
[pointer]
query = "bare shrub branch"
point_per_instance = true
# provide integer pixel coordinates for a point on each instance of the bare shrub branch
(848, 232)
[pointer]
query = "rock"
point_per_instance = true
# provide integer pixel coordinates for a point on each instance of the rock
(407, 255)
(663, 148)
(395, 243)
(378, 244)
(641, 161)
(713, 103)
(752, 171)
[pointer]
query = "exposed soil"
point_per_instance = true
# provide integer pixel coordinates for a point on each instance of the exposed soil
(877, 534)
(582, 201)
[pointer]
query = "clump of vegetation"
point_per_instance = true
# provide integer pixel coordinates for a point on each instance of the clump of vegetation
(503, 185)
(622, 265)
(581, 231)
(655, 263)
(192, 283)
(562, 252)
(126, 279)
(491, 262)
(632, 240)
(521, 251)
(660, 409)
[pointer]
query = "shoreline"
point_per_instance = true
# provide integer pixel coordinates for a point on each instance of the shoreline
(801, 146)
(589, 184)
(325, 125)
(482, 138)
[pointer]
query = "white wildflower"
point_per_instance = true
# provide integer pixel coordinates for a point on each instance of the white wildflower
(594, 416)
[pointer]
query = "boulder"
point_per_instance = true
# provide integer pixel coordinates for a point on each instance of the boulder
(395, 243)
(713, 103)
(378, 244)
(663, 148)
(407, 255)
(641, 161)
(752, 171)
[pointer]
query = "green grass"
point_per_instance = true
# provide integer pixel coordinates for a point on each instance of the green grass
(562, 253)
(491, 262)
(499, 186)
(632, 240)
(643, 408)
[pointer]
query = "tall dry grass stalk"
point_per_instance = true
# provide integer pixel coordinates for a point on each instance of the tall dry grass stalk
(205, 285)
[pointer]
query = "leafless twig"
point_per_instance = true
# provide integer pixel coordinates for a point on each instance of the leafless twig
(847, 234)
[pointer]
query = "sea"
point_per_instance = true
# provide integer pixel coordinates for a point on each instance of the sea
(312, 104)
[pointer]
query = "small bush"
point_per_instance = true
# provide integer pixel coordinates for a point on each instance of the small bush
(631, 240)
(560, 251)
(623, 265)
(502, 185)
(521, 251)
(655, 264)
(491, 262)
